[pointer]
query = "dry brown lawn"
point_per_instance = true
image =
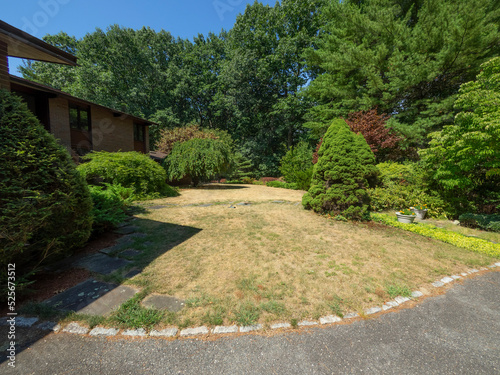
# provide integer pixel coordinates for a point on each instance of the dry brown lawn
(269, 261)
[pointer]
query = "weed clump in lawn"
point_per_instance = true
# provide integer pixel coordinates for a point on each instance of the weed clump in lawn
(132, 315)
(340, 177)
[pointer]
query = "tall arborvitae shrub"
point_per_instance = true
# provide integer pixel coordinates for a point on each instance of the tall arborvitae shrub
(340, 177)
(45, 204)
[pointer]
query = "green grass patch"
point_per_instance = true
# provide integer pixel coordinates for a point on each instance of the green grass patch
(247, 314)
(395, 290)
(283, 185)
(132, 314)
(474, 244)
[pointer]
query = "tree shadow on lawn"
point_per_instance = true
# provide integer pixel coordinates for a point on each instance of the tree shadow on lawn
(103, 293)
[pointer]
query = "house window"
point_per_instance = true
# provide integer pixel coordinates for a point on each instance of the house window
(79, 117)
(138, 133)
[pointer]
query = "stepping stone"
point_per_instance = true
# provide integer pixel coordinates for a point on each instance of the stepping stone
(102, 263)
(127, 230)
(280, 325)
(132, 273)
(417, 294)
(124, 241)
(47, 326)
(223, 329)
(169, 332)
(92, 297)
(437, 284)
(108, 250)
(161, 302)
(392, 303)
(130, 253)
(386, 307)
(194, 331)
(254, 327)
(25, 322)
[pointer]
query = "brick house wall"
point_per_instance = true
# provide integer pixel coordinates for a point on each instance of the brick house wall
(59, 121)
(4, 67)
(111, 133)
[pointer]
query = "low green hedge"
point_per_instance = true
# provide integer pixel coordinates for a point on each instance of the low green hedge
(110, 206)
(129, 169)
(283, 185)
(475, 244)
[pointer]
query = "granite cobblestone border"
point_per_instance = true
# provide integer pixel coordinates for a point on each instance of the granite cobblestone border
(76, 328)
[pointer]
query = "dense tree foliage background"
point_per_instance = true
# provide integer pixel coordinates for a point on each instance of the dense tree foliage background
(284, 72)
(408, 58)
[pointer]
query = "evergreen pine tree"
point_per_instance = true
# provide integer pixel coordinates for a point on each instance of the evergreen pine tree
(406, 58)
(340, 177)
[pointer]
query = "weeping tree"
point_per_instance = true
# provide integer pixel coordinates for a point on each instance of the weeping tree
(200, 159)
(342, 174)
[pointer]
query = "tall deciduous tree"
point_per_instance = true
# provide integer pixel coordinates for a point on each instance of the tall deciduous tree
(408, 58)
(464, 158)
(264, 74)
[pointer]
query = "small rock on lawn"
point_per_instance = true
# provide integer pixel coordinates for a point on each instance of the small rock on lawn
(76, 328)
(305, 323)
(169, 332)
(254, 327)
(194, 331)
(401, 300)
(351, 315)
(225, 329)
(329, 319)
(134, 332)
(373, 310)
(446, 280)
(100, 331)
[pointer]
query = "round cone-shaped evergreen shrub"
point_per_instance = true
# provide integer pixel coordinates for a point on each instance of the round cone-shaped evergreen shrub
(340, 177)
(45, 204)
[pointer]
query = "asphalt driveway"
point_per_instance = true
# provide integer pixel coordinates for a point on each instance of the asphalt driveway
(455, 333)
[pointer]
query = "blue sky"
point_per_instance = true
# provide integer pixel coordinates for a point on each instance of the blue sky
(183, 18)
